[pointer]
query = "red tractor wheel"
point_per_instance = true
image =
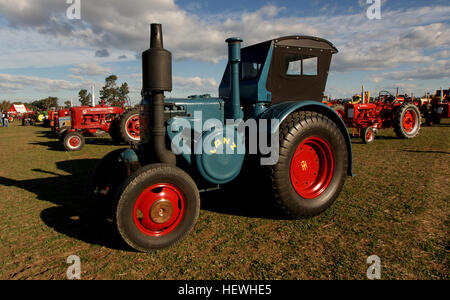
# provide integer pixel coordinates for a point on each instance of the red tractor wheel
(73, 141)
(407, 121)
(157, 207)
(368, 135)
(129, 127)
(312, 166)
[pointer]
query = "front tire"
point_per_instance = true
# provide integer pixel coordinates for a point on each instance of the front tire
(157, 206)
(312, 166)
(73, 141)
(368, 135)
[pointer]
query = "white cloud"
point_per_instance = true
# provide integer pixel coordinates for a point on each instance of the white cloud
(437, 70)
(10, 82)
(91, 69)
(39, 34)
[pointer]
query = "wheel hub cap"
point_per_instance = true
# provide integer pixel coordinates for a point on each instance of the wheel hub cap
(159, 209)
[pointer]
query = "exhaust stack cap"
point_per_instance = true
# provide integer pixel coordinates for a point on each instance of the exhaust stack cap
(156, 64)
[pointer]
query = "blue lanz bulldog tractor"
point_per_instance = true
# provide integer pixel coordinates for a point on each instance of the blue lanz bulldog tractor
(269, 107)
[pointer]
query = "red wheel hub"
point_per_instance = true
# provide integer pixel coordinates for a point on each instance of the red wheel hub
(159, 209)
(369, 135)
(409, 121)
(74, 141)
(133, 127)
(312, 167)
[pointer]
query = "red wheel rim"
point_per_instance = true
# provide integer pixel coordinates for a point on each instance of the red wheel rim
(74, 141)
(409, 121)
(133, 127)
(369, 135)
(312, 167)
(159, 209)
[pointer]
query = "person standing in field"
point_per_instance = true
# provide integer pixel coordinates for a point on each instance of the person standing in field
(1, 119)
(5, 120)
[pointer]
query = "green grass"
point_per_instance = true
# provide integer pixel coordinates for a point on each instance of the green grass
(397, 207)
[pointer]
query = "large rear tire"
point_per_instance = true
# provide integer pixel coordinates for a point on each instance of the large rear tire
(114, 130)
(129, 127)
(407, 121)
(157, 206)
(312, 166)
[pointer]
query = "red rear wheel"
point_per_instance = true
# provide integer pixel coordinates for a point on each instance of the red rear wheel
(133, 126)
(409, 120)
(312, 167)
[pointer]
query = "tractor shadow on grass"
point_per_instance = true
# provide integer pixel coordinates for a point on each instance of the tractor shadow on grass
(76, 215)
(427, 151)
(243, 203)
(249, 195)
(55, 145)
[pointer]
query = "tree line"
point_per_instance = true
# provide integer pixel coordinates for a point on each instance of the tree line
(111, 92)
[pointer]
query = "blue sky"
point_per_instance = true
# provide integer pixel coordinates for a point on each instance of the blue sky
(43, 53)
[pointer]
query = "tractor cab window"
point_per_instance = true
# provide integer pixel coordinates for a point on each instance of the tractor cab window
(297, 65)
(250, 70)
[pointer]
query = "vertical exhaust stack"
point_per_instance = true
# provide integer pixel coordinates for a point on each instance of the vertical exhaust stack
(92, 96)
(156, 79)
(234, 58)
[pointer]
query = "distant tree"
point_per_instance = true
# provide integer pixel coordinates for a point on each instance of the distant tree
(84, 97)
(5, 105)
(67, 104)
(44, 104)
(123, 93)
(113, 94)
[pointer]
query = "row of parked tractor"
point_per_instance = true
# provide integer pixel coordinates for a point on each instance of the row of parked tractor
(74, 124)
(403, 113)
(364, 115)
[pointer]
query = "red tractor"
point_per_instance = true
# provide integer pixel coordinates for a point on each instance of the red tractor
(437, 108)
(387, 111)
(122, 125)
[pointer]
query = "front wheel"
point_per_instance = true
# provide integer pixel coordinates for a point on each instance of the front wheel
(312, 166)
(158, 206)
(368, 135)
(73, 141)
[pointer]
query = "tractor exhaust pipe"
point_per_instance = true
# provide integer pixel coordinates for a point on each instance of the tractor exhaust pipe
(234, 58)
(156, 78)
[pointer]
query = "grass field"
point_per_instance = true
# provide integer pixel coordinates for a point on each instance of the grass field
(397, 207)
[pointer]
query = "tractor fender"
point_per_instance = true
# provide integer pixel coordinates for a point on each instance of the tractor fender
(282, 110)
